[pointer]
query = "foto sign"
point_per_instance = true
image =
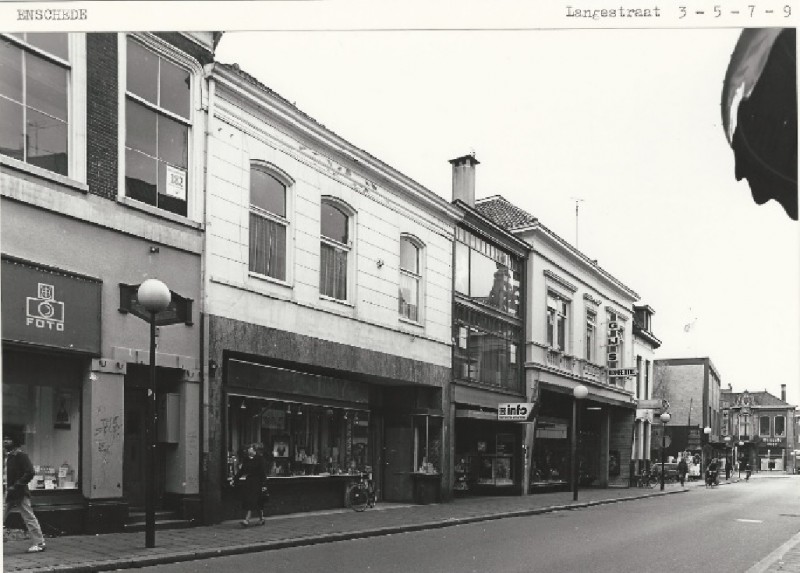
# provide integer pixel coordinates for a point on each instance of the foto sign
(515, 412)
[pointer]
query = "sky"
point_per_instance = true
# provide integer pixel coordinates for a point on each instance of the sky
(623, 123)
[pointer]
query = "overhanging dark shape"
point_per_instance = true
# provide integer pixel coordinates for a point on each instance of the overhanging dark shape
(179, 309)
(765, 140)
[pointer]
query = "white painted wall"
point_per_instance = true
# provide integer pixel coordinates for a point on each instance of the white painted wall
(549, 256)
(239, 135)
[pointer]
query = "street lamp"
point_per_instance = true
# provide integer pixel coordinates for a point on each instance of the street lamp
(664, 420)
(578, 393)
(727, 445)
(738, 462)
(707, 432)
(154, 296)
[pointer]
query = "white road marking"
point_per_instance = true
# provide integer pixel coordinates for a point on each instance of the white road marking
(751, 520)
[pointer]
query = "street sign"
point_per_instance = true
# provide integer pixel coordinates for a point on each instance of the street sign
(652, 404)
(179, 309)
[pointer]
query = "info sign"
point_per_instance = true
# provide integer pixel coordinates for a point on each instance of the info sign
(515, 412)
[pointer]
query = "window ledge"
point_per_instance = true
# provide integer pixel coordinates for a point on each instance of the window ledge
(336, 301)
(268, 279)
(138, 205)
(410, 322)
(17, 165)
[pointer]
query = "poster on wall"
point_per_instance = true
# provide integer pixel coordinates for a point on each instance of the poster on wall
(63, 406)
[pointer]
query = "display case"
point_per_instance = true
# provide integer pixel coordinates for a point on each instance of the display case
(494, 469)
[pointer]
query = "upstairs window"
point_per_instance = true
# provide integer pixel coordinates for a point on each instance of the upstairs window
(334, 251)
(409, 279)
(157, 129)
(557, 313)
(780, 426)
(591, 335)
(34, 100)
(763, 426)
(268, 224)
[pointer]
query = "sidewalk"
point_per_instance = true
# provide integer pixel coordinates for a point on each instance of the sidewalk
(113, 551)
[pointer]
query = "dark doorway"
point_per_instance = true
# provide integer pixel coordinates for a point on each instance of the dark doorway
(134, 463)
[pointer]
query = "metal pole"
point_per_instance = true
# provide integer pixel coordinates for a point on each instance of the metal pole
(574, 449)
(663, 446)
(150, 514)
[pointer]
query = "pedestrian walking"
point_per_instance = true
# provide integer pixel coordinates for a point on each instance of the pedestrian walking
(711, 473)
(19, 472)
(747, 471)
(683, 469)
(251, 479)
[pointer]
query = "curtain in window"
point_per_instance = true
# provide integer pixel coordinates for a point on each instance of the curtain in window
(267, 247)
(333, 272)
(408, 297)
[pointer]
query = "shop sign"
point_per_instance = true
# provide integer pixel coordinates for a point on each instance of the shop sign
(621, 372)
(179, 308)
(49, 307)
(655, 404)
(515, 412)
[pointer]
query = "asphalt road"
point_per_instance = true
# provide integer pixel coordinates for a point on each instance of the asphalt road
(729, 528)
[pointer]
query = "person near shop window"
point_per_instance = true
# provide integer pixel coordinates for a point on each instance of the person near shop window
(251, 479)
(19, 472)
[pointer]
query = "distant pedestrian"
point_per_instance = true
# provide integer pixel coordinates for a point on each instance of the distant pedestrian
(19, 472)
(683, 469)
(747, 471)
(711, 473)
(727, 471)
(252, 482)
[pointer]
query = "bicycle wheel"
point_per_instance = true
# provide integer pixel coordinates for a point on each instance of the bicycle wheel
(358, 497)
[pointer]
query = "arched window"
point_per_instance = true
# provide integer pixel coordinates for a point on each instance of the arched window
(410, 278)
(335, 222)
(268, 224)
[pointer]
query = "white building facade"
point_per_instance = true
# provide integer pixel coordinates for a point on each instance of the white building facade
(328, 287)
(579, 325)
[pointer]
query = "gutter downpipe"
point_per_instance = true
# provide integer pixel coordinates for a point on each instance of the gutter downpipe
(204, 393)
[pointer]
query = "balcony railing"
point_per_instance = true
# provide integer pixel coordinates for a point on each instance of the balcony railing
(576, 367)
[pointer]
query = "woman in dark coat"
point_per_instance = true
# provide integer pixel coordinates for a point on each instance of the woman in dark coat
(251, 479)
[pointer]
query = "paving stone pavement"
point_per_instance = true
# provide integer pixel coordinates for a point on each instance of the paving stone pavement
(84, 553)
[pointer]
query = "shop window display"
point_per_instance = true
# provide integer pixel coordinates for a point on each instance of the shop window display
(299, 439)
(427, 444)
(47, 418)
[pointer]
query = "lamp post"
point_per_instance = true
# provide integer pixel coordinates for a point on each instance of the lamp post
(664, 421)
(727, 445)
(707, 432)
(578, 393)
(154, 296)
(739, 463)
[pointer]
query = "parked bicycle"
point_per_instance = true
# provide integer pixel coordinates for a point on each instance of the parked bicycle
(648, 479)
(362, 494)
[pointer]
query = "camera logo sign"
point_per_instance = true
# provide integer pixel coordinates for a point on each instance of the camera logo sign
(44, 311)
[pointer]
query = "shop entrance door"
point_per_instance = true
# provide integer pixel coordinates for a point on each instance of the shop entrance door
(399, 464)
(134, 463)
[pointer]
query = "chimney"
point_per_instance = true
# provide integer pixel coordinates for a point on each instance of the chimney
(464, 178)
(783, 392)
